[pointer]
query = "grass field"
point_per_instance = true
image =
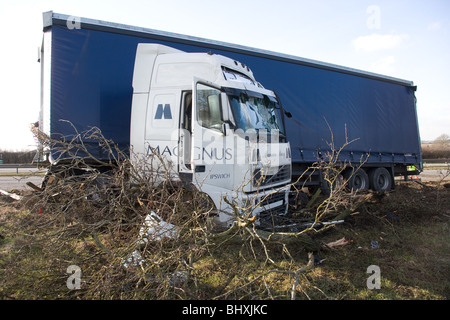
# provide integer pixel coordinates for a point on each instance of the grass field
(405, 233)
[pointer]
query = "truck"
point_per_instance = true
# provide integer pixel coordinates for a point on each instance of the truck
(199, 117)
(136, 84)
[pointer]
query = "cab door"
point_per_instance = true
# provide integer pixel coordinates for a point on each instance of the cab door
(211, 154)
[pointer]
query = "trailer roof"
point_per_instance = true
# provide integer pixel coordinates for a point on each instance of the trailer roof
(50, 18)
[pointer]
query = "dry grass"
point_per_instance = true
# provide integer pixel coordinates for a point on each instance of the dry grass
(411, 225)
(77, 220)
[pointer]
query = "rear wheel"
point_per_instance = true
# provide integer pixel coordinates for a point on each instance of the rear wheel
(331, 180)
(380, 179)
(357, 180)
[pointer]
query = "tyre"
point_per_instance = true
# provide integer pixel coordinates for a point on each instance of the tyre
(357, 179)
(380, 179)
(331, 180)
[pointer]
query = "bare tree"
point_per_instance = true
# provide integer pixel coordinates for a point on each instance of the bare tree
(443, 139)
(99, 219)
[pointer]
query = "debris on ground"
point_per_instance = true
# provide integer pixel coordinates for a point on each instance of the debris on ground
(11, 195)
(134, 259)
(374, 244)
(156, 229)
(34, 187)
(341, 242)
(318, 261)
(178, 278)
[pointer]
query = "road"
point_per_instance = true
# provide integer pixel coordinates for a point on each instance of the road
(18, 182)
(434, 175)
(13, 178)
(9, 179)
(15, 169)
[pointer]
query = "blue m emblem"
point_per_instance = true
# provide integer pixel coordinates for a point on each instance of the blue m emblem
(163, 112)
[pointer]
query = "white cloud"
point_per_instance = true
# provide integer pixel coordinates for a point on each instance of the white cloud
(375, 42)
(435, 26)
(384, 65)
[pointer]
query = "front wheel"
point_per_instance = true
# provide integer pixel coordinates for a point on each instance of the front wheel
(380, 179)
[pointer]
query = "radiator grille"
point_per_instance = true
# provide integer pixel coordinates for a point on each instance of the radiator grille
(259, 179)
(272, 198)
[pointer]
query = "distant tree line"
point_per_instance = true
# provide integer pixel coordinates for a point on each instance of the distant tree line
(15, 157)
(438, 149)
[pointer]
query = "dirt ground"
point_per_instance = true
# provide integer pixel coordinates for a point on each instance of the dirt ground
(404, 232)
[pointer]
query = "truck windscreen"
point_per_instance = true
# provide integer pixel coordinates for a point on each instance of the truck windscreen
(256, 111)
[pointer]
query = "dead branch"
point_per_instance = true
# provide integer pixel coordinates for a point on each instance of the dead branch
(95, 208)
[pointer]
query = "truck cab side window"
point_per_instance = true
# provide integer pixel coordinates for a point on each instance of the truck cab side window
(187, 116)
(208, 107)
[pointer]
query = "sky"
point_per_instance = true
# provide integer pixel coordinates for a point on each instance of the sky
(404, 39)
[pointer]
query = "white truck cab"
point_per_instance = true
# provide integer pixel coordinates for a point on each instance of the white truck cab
(213, 126)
